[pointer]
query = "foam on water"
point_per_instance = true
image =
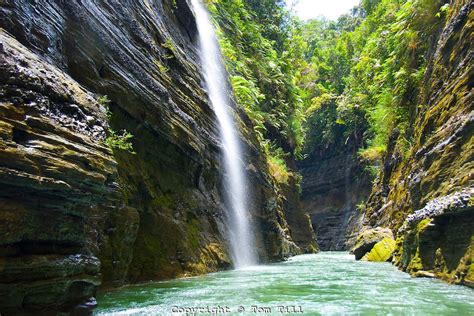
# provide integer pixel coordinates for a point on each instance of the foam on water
(322, 284)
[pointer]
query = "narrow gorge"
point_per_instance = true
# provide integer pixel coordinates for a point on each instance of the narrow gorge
(154, 151)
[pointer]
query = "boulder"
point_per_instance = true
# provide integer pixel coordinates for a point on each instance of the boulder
(368, 239)
(382, 251)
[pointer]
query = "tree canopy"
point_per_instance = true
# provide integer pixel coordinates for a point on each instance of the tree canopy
(310, 86)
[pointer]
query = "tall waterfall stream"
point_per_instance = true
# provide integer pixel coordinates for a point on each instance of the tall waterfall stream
(240, 232)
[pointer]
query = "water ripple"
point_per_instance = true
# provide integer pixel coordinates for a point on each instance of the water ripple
(328, 283)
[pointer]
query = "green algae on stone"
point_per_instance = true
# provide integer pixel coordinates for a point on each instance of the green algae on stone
(416, 263)
(382, 251)
(368, 239)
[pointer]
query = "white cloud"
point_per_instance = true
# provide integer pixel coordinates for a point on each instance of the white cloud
(331, 9)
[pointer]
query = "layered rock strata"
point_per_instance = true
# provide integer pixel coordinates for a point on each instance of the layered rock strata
(334, 185)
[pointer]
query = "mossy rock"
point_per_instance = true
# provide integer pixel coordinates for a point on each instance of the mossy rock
(368, 239)
(382, 251)
(213, 257)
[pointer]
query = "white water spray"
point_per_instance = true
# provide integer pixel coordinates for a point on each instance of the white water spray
(240, 235)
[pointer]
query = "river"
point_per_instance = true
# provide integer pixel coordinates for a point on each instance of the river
(327, 283)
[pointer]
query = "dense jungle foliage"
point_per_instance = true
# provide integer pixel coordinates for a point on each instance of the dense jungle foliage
(318, 85)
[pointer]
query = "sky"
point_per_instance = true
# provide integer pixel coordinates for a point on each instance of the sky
(331, 9)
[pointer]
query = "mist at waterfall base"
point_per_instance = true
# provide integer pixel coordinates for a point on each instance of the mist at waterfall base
(240, 233)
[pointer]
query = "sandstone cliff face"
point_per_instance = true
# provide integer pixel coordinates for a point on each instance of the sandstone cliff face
(76, 214)
(425, 197)
(334, 183)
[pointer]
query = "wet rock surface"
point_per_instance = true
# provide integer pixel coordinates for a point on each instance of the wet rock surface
(299, 222)
(445, 205)
(77, 214)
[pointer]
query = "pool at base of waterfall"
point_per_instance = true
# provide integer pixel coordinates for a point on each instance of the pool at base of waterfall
(327, 283)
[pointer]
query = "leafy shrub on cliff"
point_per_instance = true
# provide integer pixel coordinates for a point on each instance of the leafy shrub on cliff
(116, 140)
(276, 163)
(278, 169)
(120, 140)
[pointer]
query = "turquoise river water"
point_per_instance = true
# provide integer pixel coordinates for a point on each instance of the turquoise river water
(327, 283)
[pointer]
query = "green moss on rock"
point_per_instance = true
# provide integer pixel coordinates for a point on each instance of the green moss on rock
(415, 264)
(382, 251)
(368, 239)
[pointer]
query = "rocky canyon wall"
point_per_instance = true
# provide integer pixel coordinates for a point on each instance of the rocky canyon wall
(334, 186)
(426, 195)
(77, 215)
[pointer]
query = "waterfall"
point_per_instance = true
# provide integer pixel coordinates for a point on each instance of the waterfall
(240, 232)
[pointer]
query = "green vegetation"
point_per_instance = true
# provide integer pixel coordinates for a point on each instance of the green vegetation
(278, 168)
(168, 44)
(262, 49)
(162, 68)
(122, 140)
(324, 85)
(116, 139)
(104, 101)
(365, 72)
